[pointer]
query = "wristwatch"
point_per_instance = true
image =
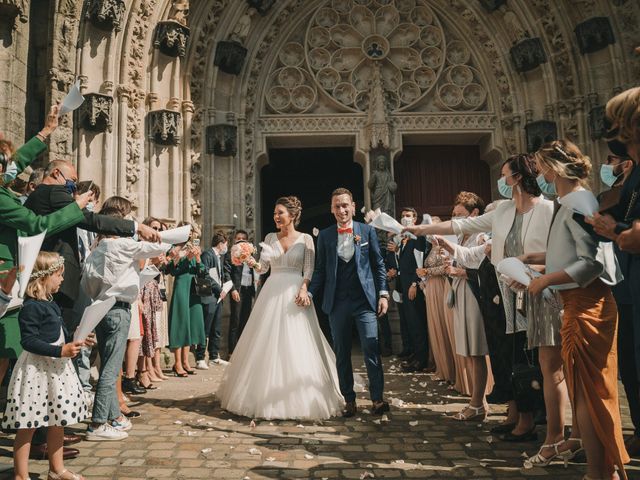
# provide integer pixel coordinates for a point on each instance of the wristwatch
(414, 284)
(384, 295)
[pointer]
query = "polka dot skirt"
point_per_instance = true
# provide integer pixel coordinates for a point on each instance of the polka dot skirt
(43, 392)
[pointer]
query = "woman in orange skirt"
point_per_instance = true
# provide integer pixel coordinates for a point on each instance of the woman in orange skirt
(590, 318)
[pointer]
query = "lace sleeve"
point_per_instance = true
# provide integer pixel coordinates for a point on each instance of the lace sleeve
(309, 258)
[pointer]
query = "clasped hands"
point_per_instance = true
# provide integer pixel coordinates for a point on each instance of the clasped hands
(302, 298)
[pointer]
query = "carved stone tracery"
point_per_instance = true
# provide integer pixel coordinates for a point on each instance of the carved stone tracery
(95, 112)
(106, 14)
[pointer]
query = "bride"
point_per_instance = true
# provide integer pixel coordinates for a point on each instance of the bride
(282, 366)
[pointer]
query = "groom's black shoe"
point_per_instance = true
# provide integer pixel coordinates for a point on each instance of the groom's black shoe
(350, 409)
(379, 408)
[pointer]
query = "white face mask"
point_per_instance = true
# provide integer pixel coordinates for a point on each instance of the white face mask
(223, 249)
(406, 221)
(91, 206)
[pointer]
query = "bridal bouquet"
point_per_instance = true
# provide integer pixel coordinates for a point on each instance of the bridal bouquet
(241, 252)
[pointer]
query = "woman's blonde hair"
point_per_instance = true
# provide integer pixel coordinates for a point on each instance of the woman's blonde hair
(623, 111)
(565, 158)
(46, 264)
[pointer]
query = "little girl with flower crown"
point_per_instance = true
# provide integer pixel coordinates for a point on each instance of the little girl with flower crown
(44, 390)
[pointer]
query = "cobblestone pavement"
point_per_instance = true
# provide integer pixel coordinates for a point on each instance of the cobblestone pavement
(183, 434)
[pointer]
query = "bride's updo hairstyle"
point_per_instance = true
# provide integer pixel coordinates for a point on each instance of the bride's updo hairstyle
(565, 158)
(293, 206)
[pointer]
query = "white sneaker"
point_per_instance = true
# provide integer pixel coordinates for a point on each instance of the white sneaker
(202, 365)
(105, 433)
(123, 425)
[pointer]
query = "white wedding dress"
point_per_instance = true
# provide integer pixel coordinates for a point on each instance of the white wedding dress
(282, 366)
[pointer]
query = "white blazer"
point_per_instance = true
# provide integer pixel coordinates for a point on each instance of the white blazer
(535, 229)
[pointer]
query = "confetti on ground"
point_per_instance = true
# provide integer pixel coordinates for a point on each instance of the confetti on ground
(413, 423)
(255, 451)
(270, 459)
(252, 424)
(206, 450)
(367, 475)
(177, 422)
(308, 456)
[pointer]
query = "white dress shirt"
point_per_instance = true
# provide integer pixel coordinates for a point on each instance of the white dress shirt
(247, 276)
(346, 247)
(114, 264)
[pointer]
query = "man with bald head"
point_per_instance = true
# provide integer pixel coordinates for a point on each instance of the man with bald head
(55, 192)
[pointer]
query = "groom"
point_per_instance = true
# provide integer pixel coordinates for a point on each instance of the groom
(351, 270)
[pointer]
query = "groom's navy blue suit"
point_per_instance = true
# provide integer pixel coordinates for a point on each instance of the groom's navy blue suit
(351, 292)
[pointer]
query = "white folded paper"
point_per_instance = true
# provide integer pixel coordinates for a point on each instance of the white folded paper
(226, 288)
(16, 301)
(176, 235)
(397, 296)
(419, 257)
(583, 202)
(91, 317)
(147, 274)
(213, 273)
(426, 219)
(72, 101)
(453, 239)
(515, 270)
(387, 223)
(28, 248)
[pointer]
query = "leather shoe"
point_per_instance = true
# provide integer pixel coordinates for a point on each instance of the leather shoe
(131, 385)
(503, 428)
(414, 367)
(350, 409)
(40, 452)
(379, 409)
(529, 436)
(71, 438)
(132, 414)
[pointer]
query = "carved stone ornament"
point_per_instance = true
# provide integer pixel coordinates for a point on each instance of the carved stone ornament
(492, 5)
(539, 133)
(594, 34)
(164, 127)
(222, 140)
(95, 112)
(597, 123)
(12, 9)
(171, 38)
(106, 14)
(230, 57)
(262, 6)
(528, 54)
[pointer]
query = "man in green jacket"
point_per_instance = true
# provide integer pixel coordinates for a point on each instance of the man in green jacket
(16, 220)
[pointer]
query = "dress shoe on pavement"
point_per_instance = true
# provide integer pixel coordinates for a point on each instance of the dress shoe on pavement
(131, 385)
(202, 365)
(40, 452)
(379, 408)
(350, 409)
(71, 438)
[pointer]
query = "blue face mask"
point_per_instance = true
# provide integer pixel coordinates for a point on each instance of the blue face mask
(505, 190)
(69, 185)
(608, 177)
(91, 206)
(548, 188)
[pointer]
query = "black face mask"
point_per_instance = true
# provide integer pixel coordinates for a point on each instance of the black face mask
(618, 148)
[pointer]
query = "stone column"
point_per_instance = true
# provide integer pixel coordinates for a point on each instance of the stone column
(187, 116)
(175, 173)
(115, 178)
(152, 209)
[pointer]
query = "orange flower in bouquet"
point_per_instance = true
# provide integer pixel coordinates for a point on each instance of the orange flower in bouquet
(241, 252)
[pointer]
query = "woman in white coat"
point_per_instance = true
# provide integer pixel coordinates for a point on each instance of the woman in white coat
(520, 226)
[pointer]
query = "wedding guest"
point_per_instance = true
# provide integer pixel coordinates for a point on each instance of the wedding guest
(242, 294)
(391, 265)
(149, 364)
(186, 318)
(450, 366)
(469, 331)
(213, 262)
(113, 263)
(44, 373)
(589, 323)
(413, 303)
(617, 224)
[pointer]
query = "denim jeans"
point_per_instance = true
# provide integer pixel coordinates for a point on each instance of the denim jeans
(111, 333)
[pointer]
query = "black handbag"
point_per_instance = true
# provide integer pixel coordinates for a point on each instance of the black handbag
(203, 286)
(526, 378)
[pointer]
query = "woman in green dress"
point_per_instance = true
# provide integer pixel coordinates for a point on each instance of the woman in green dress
(186, 317)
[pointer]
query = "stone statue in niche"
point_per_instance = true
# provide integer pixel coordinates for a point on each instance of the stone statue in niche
(241, 30)
(179, 11)
(382, 186)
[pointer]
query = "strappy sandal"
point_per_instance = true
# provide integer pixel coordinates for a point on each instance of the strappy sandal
(64, 475)
(477, 413)
(567, 455)
(539, 460)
